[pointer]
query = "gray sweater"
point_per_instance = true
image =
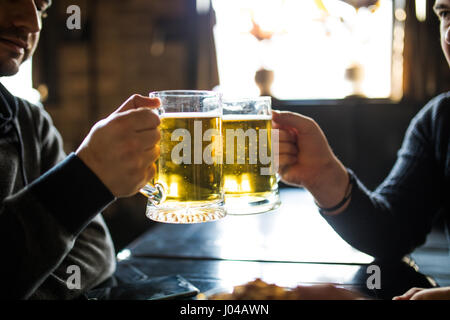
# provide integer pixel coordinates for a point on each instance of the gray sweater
(49, 221)
(396, 218)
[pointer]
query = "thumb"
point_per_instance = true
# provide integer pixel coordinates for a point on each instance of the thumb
(286, 119)
(138, 101)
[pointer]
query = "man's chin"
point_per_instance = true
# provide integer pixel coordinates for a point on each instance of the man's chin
(446, 49)
(9, 68)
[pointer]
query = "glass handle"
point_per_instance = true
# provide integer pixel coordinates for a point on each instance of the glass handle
(155, 194)
(278, 176)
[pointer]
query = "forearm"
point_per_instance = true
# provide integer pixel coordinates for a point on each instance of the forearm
(93, 253)
(31, 254)
(370, 224)
(363, 221)
(37, 233)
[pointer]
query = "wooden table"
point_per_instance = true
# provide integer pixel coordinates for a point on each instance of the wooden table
(288, 246)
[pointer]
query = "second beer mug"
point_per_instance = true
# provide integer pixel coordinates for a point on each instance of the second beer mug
(250, 161)
(187, 187)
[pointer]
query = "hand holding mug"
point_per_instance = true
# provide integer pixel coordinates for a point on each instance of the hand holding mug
(306, 158)
(121, 149)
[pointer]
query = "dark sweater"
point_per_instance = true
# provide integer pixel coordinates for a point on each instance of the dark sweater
(395, 218)
(53, 221)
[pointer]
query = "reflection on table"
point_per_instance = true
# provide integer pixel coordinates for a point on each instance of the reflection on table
(289, 246)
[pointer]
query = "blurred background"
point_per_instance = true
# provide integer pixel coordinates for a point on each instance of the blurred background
(362, 69)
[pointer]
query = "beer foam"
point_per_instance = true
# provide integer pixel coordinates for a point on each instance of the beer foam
(191, 115)
(243, 117)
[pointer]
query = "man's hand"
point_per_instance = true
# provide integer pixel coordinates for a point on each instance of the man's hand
(121, 149)
(425, 294)
(306, 159)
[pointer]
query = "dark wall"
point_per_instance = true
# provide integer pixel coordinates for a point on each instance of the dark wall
(364, 135)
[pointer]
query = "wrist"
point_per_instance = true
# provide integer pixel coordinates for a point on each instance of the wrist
(330, 185)
(89, 161)
(343, 203)
(84, 194)
(330, 172)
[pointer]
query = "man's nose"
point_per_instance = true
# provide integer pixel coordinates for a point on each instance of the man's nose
(447, 35)
(27, 17)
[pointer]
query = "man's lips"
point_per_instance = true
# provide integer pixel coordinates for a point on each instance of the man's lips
(16, 45)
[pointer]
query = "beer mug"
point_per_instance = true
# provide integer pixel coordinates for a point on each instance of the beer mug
(188, 186)
(250, 156)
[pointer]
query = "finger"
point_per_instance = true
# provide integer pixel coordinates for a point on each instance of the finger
(151, 155)
(286, 136)
(408, 294)
(148, 159)
(285, 160)
(412, 292)
(148, 139)
(287, 119)
(140, 119)
(287, 148)
(151, 172)
(275, 124)
(442, 293)
(138, 101)
(284, 172)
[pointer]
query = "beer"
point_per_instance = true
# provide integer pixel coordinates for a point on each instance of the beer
(242, 171)
(186, 174)
(188, 186)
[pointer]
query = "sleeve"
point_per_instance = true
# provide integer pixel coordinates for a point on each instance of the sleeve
(93, 257)
(53, 223)
(395, 218)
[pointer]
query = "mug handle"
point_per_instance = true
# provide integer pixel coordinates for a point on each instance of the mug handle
(155, 193)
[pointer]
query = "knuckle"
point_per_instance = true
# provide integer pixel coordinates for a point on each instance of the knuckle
(153, 118)
(155, 153)
(312, 123)
(152, 169)
(120, 123)
(149, 116)
(156, 134)
(130, 147)
(151, 156)
(100, 124)
(134, 96)
(149, 172)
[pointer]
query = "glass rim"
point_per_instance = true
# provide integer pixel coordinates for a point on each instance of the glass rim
(246, 99)
(186, 93)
